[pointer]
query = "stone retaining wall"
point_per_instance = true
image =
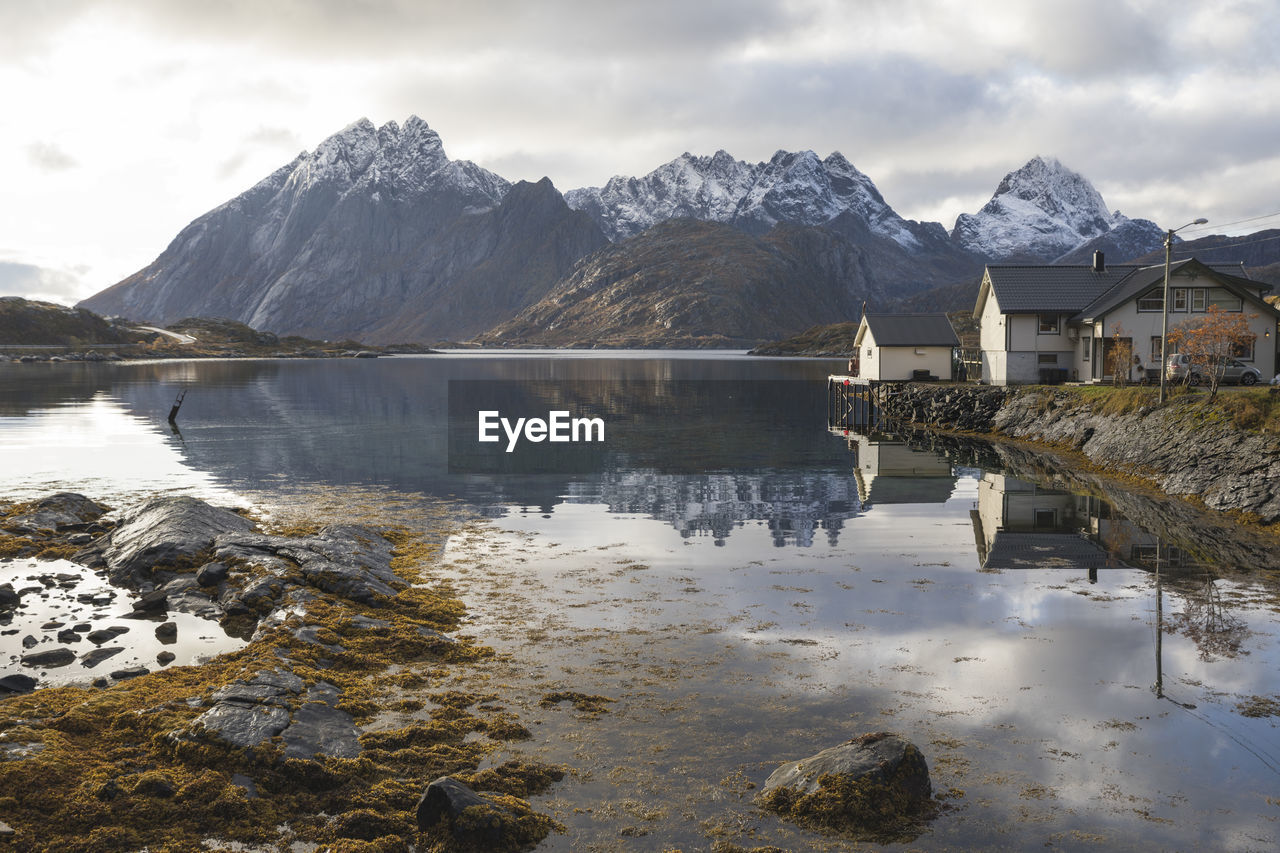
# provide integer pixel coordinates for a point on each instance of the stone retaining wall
(1185, 447)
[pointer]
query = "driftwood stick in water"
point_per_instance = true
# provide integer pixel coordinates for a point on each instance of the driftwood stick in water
(177, 404)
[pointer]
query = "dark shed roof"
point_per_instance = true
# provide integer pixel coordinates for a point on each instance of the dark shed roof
(912, 330)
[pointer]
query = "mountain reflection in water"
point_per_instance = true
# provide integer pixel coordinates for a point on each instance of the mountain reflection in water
(751, 588)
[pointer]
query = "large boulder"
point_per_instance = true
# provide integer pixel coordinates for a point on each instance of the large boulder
(463, 820)
(874, 787)
(169, 530)
(63, 509)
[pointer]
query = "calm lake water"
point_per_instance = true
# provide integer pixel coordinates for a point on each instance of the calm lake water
(1082, 668)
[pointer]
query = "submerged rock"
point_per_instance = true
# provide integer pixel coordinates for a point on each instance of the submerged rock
(97, 656)
(50, 658)
(874, 787)
(17, 683)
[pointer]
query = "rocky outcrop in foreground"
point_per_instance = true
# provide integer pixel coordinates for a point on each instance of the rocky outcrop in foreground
(276, 742)
(1187, 448)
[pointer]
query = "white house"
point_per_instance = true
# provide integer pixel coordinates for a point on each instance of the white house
(900, 347)
(1046, 323)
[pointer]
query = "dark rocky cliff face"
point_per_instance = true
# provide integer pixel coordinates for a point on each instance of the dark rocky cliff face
(691, 283)
(1185, 448)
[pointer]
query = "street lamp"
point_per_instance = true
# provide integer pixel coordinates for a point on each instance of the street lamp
(1164, 311)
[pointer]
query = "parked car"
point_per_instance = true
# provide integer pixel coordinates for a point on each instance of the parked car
(1235, 371)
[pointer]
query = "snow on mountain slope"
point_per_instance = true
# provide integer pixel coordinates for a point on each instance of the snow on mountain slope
(1041, 211)
(797, 188)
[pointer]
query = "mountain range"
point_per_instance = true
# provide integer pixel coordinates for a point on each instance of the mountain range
(378, 235)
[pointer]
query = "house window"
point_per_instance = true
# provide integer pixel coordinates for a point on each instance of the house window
(1179, 299)
(1225, 300)
(1244, 351)
(1087, 343)
(1197, 299)
(1152, 300)
(868, 352)
(1049, 358)
(1155, 350)
(1048, 324)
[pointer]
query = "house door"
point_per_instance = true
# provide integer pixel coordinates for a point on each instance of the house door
(1117, 354)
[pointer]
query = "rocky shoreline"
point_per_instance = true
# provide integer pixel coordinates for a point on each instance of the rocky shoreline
(307, 727)
(1186, 449)
(341, 722)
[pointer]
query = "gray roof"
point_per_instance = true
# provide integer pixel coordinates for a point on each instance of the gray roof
(1047, 551)
(1079, 290)
(1043, 288)
(912, 330)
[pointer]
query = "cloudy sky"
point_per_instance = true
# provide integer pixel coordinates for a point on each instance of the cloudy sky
(123, 120)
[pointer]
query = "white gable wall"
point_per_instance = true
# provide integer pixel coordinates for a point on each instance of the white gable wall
(992, 340)
(1142, 326)
(892, 364)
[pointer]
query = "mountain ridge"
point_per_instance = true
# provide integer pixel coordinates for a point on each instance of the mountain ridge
(376, 233)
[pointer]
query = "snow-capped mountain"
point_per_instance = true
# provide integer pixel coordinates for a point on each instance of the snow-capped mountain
(792, 187)
(1038, 213)
(377, 234)
(338, 242)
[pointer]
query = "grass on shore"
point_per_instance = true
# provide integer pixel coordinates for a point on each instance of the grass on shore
(1249, 409)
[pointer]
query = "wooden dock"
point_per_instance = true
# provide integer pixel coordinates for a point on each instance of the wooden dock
(852, 401)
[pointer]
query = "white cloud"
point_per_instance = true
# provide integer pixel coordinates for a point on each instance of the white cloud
(166, 110)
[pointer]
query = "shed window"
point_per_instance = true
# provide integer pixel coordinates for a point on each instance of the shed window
(1049, 324)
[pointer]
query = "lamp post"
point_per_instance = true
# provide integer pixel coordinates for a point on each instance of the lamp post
(1164, 310)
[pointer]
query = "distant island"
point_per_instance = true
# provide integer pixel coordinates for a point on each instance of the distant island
(44, 331)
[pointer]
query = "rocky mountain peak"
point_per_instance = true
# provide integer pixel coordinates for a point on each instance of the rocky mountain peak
(1038, 212)
(793, 187)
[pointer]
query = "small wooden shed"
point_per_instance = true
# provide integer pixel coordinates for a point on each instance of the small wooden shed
(902, 347)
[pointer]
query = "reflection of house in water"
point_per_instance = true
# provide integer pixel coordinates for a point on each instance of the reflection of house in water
(1019, 525)
(793, 504)
(890, 472)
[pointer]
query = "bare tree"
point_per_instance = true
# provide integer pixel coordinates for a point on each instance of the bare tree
(1120, 357)
(1211, 342)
